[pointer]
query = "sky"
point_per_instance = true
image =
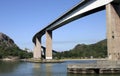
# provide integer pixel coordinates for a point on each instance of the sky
(22, 19)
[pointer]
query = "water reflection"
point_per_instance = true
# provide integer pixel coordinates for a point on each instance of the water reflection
(42, 69)
(48, 69)
(8, 67)
(38, 69)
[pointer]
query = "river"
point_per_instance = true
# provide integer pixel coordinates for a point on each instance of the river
(42, 69)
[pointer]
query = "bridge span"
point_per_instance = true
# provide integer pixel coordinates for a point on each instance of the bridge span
(82, 9)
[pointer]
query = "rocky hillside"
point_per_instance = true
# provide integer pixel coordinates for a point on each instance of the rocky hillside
(6, 41)
(9, 49)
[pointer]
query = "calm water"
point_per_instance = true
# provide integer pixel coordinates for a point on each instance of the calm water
(38, 69)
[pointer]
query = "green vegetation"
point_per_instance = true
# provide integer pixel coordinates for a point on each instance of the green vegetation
(8, 49)
(97, 50)
(14, 52)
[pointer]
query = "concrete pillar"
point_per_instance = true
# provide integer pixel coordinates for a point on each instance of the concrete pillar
(113, 31)
(48, 45)
(37, 49)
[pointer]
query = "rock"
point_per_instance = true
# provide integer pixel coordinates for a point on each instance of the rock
(10, 51)
(6, 41)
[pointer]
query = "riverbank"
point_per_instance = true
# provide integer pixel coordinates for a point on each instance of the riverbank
(10, 58)
(32, 60)
(84, 59)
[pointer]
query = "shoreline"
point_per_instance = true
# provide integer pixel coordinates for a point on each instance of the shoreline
(8, 59)
(48, 61)
(85, 59)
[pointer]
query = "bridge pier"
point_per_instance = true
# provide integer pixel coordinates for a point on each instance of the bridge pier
(48, 45)
(37, 49)
(113, 31)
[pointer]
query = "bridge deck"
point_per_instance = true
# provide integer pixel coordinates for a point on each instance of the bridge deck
(84, 8)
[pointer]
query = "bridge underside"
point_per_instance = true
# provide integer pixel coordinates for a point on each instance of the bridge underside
(84, 8)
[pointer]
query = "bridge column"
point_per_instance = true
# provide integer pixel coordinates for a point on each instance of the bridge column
(37, 49)
(48, 45)
(113, 31)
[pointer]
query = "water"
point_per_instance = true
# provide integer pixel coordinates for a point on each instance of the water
(39, 69)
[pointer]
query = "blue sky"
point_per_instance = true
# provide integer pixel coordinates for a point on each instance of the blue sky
(21, 19)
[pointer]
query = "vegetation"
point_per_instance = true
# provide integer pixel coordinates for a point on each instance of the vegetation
(14, 52)
(97, 50)
(8, 49)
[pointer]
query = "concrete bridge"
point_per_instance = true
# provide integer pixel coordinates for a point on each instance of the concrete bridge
(82, 9)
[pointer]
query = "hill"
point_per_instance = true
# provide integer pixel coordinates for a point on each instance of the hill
(97, 50)
(9, 49)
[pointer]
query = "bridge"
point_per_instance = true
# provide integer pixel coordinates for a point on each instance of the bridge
(82, 9)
